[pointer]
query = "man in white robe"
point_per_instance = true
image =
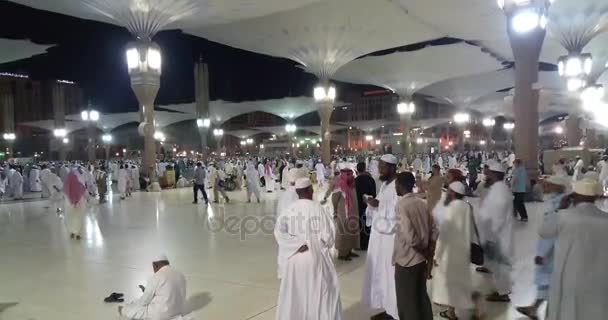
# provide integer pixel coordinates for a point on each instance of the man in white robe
(320, 170)
(253, 182)
(134, 172)
(305, 234)
(578, 167)
(603, 169)
(63, 172)
(164, 296)
(123, 180)
(452, 282)
(55, 186)
(379, 279)
(44, 173)
(579, 287)
(496, 232)
(15, 182)
(289, 196)
(417, 165)
(35, 183)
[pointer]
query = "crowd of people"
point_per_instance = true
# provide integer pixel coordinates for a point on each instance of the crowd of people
(421, 220)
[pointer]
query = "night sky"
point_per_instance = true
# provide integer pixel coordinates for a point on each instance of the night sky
(93, 55)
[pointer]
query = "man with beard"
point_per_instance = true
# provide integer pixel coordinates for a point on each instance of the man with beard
(379, 279)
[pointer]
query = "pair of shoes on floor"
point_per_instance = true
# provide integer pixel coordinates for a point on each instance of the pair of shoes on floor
(382, 316)
(114, 297)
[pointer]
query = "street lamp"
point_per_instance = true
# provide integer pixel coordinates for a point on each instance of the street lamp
(159, 136)
(462, 118)
(591, 97)
(203, 123)
(9, 136)
(60, 133)
(90, 117)
(488, 122)
(144, 62)
(558, 130)
(406, 108)
(508, 126)
(291, 129)
(325, 95)
(107, 140)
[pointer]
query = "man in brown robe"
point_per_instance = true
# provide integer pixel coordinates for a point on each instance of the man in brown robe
(433, 188)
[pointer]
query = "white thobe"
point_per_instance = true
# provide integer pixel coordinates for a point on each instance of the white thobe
(577, 170)
(579, 287)
(320, 169)
(123, 177)
(417, 165)
(379, 279)
(15, 182)
(603, 179)
(134, 178)
(269, 179)
(373, 169)
(452, 281)
(452, 163)
(63, 173)
(44, 173)
(309, 287)
(35, 185)
(496, 229)
(164, 298)
(286, 199)
(253, 183)
(285, 177)
(55, 197)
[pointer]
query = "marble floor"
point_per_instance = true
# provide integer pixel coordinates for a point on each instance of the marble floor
(229, 260)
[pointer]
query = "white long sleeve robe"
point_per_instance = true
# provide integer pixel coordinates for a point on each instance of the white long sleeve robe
(579, 286)
(495, 225)
(309, 287)
(379, 279)
(163, 299)
(35, 185)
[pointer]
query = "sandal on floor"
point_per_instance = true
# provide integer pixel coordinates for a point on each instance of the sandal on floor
(526, 312)
(444, 314)
(495, 297)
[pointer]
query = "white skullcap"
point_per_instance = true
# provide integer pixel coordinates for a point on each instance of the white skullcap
(496, 167)
(558, 180)
(161, 257)
(299, 162)
(389, 158)
(591, 175)
(586, 187)
(303, 183)
(457, 187)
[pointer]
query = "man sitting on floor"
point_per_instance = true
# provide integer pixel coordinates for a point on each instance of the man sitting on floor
(164, 295)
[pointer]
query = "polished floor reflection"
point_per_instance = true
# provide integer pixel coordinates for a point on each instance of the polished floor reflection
(226, 251)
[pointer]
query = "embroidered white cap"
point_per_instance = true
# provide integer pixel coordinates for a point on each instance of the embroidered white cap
(496, 167)
(303, 183)
(162, 257)
(458, 187)
(389, 158)
(586, 187)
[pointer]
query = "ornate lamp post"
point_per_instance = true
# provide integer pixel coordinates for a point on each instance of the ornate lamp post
(7, 111)
(461, 119)
(488, 124)
(325, 95)
(144, 63)
(291, 129)
(405, 110)
(526, 23)
(90, 117)
(107, 140)
(218, 134)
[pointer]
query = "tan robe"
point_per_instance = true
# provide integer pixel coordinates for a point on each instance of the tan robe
(433, 191)
(347, 226)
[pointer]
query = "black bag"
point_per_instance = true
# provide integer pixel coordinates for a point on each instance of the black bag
(477, 257)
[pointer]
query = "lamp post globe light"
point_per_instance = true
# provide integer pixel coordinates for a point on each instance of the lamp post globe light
(406, 109)
(144, 63)
(291, 129)
(90, 117)
(325, 95)
(461, 119)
